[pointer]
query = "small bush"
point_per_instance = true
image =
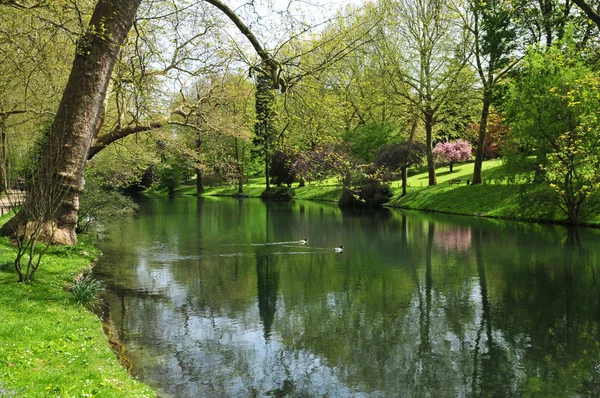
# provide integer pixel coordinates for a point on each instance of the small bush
(100, 205)
(367, 189)
(278, 193)
(86, 288)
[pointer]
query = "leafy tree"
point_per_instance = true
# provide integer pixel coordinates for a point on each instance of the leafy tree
(62, 163)
(320, 163)
(453, 151)
(265, 122)
(170, 176)
(424, 50)
(545, 21)
(282, 170)
(102, 205)
(553, 112)
(401, 156)
(494, 35)
(368, 188)
(587, 7)
(36, 50)
(495, 136)
(364, 141)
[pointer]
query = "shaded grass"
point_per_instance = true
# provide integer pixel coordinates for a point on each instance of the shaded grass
(50, 346)
(503, 194)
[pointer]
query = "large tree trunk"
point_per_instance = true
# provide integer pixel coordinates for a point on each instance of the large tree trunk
(65, 152)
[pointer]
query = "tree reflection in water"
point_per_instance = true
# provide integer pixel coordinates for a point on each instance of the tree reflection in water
(209, 303)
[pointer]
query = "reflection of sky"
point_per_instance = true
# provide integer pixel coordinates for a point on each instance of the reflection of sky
(202, 353)
(393, 315)
(197, 354)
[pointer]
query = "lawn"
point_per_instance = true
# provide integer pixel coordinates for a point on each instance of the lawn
(50, 346)
(496, 197)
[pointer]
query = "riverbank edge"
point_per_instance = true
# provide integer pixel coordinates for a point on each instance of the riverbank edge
(52, 346)
(494, 202)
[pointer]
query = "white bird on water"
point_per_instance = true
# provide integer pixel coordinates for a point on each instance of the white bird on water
(339, 249)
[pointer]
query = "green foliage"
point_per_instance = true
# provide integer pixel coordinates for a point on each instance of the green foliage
(281, 169)
(101, 205)
(400, 155)
(170, 176)
(367, 189)
(364, 141)
(35, 151)
(278, 193)
(553, 111)
(266, 115)
(85, 288)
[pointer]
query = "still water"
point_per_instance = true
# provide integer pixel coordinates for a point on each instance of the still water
(216, 298)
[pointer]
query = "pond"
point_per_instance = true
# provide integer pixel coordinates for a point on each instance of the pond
(216, 297)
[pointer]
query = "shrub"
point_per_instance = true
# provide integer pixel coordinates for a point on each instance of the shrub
(368, 189)
(85, 288)
(281, 169)
(102, 205)
(278, 193)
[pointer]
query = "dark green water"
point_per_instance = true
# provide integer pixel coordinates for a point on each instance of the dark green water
(214, 298)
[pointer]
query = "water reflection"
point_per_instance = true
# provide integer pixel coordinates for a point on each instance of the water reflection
(217, 298)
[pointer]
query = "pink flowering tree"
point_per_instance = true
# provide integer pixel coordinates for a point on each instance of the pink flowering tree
(453, 151)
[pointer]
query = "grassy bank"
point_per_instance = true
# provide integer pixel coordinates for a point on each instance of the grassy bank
(49, 345)
(495, 198)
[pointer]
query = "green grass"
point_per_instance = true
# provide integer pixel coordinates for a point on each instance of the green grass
(496, 197)
(50, 346)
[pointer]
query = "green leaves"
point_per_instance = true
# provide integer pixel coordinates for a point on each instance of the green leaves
(553, 110)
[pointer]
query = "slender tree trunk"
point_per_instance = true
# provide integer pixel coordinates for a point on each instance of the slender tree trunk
(479, 152)
(429, 142)
(267, 159)
(404, 171)
(199, 174)
(240, 166)
(3, 156)
(65, 153)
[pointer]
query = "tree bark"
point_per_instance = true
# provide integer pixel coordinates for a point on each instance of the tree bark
(589, 11)
(101, 142)
(3, 156)
(65, 152)
(429, 141)
(404, 171)
(479, 152)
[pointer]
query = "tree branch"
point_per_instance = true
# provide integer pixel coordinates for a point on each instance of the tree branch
(589, 11)
(103, 141)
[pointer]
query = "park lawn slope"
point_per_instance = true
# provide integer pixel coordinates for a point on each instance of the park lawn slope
(50, 346)
(500, 201)
(500, 196)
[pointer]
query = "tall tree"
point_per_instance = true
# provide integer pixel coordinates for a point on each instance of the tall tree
(494, 37)
(64, 155)
(553, 112)
(425, 49)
